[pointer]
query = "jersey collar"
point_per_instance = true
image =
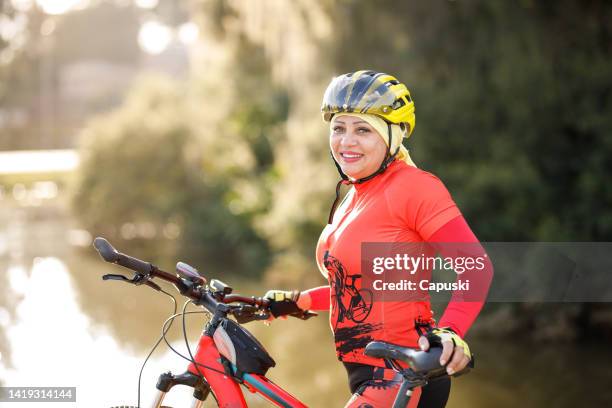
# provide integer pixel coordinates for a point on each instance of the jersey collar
(375, 181)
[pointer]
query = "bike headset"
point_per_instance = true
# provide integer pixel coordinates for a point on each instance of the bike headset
(368, 92)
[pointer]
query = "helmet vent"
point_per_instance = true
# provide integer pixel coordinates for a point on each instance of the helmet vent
(398, 104)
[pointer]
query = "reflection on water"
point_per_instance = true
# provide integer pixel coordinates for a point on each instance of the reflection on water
(62, 325)
(53, 343)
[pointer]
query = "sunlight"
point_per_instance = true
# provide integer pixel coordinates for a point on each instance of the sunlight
(188, 33)
(22, 5)
(154, 37)
(61, 6)
(38, 161)
(146, 4)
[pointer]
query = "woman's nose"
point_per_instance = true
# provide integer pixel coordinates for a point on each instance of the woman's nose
(348, 139)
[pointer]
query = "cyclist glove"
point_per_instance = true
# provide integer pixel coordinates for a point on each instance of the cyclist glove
(438, 335)
(283, 302)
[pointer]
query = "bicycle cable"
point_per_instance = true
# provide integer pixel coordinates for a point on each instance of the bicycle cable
(171, 318)
(155, 346)
(195, 363)
(186, 340)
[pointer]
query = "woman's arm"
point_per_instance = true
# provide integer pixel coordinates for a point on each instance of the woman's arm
(316, 299)
(448, 240)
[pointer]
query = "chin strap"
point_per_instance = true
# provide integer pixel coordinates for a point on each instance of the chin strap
(335, 204)
(345, 179)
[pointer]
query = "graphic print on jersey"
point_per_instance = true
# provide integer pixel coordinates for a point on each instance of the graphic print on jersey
(352, 303)
(351, 306)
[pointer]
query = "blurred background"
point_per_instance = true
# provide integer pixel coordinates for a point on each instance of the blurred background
(190, 130)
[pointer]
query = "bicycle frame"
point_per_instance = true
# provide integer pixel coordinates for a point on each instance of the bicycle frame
(226, 389)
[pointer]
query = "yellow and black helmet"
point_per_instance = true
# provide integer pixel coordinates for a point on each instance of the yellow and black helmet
(370, 92)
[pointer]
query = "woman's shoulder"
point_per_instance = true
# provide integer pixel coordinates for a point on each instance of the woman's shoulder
(419, 199)
(414, 180)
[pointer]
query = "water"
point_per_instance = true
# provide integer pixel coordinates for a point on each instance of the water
(63, 326)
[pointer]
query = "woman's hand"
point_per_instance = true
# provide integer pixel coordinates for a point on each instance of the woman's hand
(454, 348)
(283, 303)
(304, 301)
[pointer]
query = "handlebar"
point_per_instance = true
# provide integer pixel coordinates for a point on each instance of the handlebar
(253, 301)
(188, 286)
(145, 269)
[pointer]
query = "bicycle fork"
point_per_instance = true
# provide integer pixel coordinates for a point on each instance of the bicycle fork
(167, 380)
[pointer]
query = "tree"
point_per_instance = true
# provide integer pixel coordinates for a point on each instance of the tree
(142, 182)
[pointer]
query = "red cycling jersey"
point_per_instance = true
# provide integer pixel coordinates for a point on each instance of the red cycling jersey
(403, 204)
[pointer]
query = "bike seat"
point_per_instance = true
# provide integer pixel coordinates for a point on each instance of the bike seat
(421, 362)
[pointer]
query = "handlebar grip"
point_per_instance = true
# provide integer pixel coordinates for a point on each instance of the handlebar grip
(110, 254)
(134, 264)
(106, 250)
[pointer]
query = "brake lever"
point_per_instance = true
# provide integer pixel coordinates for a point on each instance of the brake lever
(138, 279)
(305, 315)
(112, 276)
(249, 314)
(249, 318)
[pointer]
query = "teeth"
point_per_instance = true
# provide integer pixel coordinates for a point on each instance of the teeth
(351, 156)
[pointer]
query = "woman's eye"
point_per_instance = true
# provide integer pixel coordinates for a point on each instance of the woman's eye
(363, 130)
(338, 129)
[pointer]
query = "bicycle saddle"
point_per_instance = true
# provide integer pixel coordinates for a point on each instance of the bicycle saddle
(421, 362)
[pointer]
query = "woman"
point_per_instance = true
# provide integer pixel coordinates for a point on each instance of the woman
(390, 200)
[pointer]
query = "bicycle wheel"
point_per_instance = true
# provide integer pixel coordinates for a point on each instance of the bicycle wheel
(361, 309)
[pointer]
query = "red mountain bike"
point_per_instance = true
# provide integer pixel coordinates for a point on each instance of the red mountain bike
(228, 356)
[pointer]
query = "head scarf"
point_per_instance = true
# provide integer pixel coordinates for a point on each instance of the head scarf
(381, 127)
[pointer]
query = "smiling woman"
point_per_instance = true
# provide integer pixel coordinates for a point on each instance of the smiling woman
(391, 201)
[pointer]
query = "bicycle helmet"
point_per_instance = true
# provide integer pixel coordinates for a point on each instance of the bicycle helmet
(370, 92)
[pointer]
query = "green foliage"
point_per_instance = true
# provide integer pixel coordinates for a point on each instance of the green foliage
(142, 168)
(513, 106)
(184, 161)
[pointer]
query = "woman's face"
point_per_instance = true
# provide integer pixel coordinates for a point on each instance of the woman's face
(356, 146)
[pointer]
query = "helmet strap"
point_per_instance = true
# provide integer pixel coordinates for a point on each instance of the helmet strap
(332, 211)
(344, 176)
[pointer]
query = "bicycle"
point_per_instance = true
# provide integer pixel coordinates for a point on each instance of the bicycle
(228, 356)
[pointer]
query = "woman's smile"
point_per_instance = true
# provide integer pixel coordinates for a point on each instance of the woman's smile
(350, 156)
